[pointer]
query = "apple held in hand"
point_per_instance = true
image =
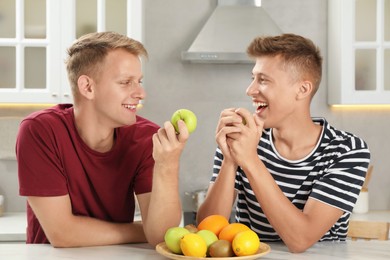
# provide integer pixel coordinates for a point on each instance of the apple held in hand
(187, 116)
(172, 238)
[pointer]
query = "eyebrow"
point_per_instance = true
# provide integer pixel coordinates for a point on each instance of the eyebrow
(260, 74)
(129, 77)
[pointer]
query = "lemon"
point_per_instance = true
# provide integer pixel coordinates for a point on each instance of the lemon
(193, 245)
(246, 243)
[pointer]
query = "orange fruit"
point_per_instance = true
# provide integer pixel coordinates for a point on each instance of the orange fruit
(228, 233)
(214, 223)
(246, 243)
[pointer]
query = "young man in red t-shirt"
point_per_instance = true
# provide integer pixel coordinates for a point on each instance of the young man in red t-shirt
(80, 165)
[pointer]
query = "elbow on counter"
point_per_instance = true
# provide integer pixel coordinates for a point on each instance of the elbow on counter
(58, 242)
(298, 246)
(155, 240)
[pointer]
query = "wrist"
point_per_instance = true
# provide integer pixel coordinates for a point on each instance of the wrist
(229, 165)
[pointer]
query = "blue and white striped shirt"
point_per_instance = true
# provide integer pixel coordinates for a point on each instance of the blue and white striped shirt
(332, 173)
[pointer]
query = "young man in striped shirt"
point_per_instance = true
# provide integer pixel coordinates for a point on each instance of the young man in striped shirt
(294, 178)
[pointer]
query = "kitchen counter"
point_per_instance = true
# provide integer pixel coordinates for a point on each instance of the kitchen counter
(356, 250)
(372, 215)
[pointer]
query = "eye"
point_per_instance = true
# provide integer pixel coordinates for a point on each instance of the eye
(125, 82)
(262, 80)
(130, 83)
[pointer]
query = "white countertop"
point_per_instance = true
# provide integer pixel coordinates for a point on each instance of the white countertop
(355, 250)
(13, 228)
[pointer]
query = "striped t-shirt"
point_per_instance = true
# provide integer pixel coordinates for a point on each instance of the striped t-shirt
(332, 173)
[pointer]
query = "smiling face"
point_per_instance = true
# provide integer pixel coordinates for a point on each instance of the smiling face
(118, 89)
(273, 91)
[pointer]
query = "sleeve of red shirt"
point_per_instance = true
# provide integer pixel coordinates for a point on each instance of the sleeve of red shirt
(39, 165)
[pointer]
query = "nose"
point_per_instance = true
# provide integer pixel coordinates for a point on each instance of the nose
(139, 91)
(252, 88)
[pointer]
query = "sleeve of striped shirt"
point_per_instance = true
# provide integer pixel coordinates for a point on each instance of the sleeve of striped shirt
(341, 182)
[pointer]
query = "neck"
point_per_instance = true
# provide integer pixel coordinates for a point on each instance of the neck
(298, 140)
(95, 135)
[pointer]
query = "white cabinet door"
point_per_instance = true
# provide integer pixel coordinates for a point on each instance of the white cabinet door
(30, 51)
(34, 36)
(359, 52)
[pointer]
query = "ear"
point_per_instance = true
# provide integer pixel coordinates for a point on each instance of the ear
(85, 85)
(305, 89)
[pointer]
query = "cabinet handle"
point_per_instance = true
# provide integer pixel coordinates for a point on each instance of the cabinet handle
(54, 94)
(66, 94)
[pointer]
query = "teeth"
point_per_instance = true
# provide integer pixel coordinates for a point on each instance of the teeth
(260, 104)
(130, 106)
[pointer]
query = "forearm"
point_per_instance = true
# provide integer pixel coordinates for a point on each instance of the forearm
(81, 231)
(165, 207)
(221, 194)
(291, 224)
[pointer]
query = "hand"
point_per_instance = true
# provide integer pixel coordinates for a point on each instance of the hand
(243, 144)
(227, 124)
(167, 146)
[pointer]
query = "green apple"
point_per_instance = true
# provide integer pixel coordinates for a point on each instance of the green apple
(187, 116)
(243, 121)
(172, 238)
(208, 236)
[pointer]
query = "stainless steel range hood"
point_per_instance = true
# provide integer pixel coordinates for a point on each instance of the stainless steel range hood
(228, 32)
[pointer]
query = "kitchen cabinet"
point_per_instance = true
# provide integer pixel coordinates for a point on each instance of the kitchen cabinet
(34, 36)
(358, 52)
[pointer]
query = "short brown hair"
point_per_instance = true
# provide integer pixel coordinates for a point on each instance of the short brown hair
(299, 54)
(88, 52)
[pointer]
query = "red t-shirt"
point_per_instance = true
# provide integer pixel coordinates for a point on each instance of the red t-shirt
(53, 161)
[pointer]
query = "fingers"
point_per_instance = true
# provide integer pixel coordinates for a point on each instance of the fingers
(184, 134)
(259, 124)
(167, 134)
(246, 116)
(228, 117)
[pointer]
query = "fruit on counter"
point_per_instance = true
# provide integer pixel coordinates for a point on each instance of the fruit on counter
(208, 236)
(187, 116)
(228, 232)
(214, 223)
(221, 248)
(172, 238)
(192, 244)
(191, 227)
(246, 243)
(214, 237)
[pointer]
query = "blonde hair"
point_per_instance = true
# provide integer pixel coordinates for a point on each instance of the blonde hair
(88, 52)
(299, 54)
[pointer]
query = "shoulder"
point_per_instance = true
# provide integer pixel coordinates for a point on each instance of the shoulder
(141, 129)
(47, 118)
(146, 124)
(339, 137)
(342, 144)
